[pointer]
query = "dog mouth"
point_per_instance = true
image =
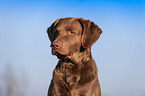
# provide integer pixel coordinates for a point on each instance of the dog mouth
(63, 56)
(60, 54)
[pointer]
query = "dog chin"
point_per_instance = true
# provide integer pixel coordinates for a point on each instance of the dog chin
(61, 55)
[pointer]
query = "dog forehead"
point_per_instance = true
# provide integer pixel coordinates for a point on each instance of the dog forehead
(69, 24)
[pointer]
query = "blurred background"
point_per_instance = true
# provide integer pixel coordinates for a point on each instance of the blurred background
(26, 63)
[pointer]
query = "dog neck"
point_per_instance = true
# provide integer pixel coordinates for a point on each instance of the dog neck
(79, 57)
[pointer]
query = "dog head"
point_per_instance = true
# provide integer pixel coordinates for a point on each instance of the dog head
(69, 35)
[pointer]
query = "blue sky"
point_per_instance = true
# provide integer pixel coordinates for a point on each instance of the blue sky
(119, 52)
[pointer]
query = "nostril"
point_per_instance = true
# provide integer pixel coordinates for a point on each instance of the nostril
(56, 45)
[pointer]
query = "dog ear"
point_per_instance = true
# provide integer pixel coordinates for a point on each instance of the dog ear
(50, 32)
(91, 33)
(51, 29)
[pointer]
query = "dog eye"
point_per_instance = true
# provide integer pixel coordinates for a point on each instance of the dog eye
(71, 33)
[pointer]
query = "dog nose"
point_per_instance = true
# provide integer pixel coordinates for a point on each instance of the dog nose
(55, 44)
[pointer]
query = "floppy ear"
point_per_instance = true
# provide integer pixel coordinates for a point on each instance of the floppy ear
(91, 33)
(51, 29)
(50, 32)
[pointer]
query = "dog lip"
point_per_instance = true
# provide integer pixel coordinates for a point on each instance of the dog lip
(60, 55)
(69, 56)
(55, 50)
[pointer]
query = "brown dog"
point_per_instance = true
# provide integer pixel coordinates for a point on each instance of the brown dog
(76, 72)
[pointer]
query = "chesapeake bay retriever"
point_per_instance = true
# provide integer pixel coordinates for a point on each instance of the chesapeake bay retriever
(76, 72)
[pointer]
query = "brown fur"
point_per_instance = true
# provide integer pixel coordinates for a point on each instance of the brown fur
(76, 72)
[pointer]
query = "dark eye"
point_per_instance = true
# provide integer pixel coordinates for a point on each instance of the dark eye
(71, 33)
